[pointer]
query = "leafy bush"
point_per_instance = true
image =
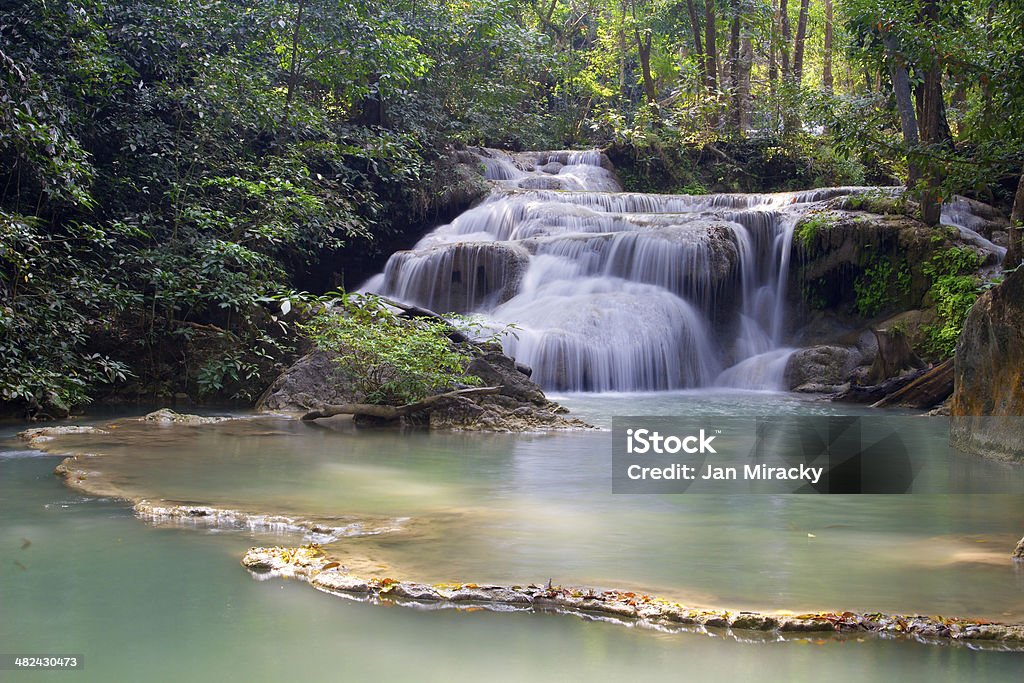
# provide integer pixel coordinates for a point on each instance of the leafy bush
(880, 286)
(391, 360)
(955, 288)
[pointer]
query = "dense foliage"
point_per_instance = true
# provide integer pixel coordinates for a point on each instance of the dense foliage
(391, 360)
(166, 165)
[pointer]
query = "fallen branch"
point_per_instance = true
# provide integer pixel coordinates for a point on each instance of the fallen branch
(931, 388)
(395, 412)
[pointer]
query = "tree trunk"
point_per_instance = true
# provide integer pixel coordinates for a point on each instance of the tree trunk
(798, 45)
(930, 389)
(643, 49)
(697, 44)
(773, 63)
(733, 62)
(293, 67)
(791, 120)
(746, 64)
(784, 48)
(895, 356)
(826, 69)
(1015, 252)
(934, 127)
(710, 46)
(904, 101)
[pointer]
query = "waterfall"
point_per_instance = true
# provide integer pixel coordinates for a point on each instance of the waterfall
(614, 291)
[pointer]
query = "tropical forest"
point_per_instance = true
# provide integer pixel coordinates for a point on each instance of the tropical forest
(598, 339)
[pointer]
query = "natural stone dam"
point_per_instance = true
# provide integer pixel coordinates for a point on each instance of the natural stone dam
(614, 291)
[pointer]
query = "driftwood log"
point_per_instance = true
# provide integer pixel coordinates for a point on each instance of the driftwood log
(395, 412)
(931, 388)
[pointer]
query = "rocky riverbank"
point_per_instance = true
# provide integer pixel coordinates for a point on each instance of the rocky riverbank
(311, 564)
(518, 405)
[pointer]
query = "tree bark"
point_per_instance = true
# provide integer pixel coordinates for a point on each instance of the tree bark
(784, 48)
(904, 101)
(697, 43)
(826, 69)
(293, 67)
(643, 49)
(934, 127)
(895, 356)
(791, 121)
(394, 412)
(710, 47)
(930, 389)
(746, 64)
(733, 62)
(773, 63)
(1015, 251)
(798, 45)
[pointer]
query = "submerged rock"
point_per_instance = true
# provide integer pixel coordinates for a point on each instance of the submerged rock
(988, 399)
(168, 416)
(40, 435)
(311, 564)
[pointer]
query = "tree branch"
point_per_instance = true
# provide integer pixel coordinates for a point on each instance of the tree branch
(395, 412)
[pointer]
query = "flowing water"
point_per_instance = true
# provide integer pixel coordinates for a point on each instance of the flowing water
(615, 291)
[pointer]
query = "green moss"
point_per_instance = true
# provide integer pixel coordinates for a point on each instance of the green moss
(811, 225)
(881, 285)
(955, 286)
(878, 202)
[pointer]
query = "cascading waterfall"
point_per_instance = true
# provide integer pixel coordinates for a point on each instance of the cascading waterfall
(614, 291)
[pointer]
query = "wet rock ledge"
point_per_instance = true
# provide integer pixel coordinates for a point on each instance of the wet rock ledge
(311, 564)
(315, 383)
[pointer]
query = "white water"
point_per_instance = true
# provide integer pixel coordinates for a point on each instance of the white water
(615, 291)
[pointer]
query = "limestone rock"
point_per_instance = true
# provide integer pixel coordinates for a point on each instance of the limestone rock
(40, 435)
(457, 277)
(988, 399)
(821, 367)
(316, 381)
(312, 381)
(495, 368)
(168, 416)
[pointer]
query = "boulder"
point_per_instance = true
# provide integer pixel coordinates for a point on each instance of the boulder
(497, 369)
(821, 368)
(312, 381)
(988, 399)
(316, 381)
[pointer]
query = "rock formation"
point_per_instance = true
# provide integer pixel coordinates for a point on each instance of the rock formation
(988, 401)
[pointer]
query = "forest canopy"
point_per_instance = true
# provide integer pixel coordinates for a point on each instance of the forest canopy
(168, 167)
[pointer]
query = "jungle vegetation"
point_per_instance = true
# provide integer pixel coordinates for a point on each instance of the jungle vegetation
(169, 167)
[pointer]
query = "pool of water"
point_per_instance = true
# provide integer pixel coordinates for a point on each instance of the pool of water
(174, 602)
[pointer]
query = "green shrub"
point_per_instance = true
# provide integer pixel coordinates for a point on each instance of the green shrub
(392, 360)
(955, 288)
(880, 286)
(810, 226)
